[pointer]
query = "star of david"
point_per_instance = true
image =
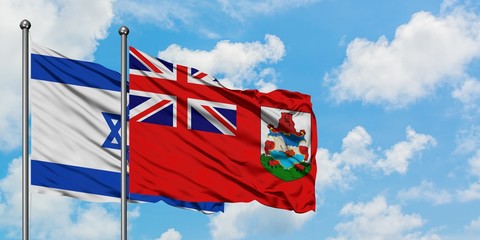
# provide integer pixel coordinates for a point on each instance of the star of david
(113, 139)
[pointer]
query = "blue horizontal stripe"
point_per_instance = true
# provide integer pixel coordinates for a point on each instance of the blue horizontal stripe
(99, 182)
(74, 72)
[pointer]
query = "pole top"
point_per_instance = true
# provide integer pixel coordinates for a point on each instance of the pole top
(123, 30)
(25, 24)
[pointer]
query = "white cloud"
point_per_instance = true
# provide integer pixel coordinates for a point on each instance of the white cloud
(471, 231)
(411, 66)
(474, 163)
(243, 219)
(91, 222)
(331, 171)
(473, 226)
(71, 27)
(52, 217)
(420, 236)
(448, 5)
(468, 139)
(161, 12)
(11, 196)
(336, 169)
(357, 152)
(267, 80)
(398, 157)
(170, 234)
(377, 220)
(242, 69)
(242, 9)
(134, 213)
(468, 94)
(169, 13)
(188, 14)
(425, 191)
(470, 194)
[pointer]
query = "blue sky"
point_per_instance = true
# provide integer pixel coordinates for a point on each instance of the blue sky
(394, 84)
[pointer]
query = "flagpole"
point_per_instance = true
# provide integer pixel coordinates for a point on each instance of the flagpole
(123, 31)
(25, 26)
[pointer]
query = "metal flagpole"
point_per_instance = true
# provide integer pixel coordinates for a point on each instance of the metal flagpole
(123, 31)
(25, 26)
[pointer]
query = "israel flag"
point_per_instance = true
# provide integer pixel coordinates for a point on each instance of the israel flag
(75, 131)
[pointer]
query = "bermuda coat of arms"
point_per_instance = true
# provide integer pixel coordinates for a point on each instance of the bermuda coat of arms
(285, 152)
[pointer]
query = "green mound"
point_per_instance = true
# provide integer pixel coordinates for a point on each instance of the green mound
(282, 173)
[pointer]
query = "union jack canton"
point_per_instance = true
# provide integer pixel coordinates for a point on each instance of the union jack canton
(152, 101)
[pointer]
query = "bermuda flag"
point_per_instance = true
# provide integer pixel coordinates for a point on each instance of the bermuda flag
(194, 140)
(75, 129)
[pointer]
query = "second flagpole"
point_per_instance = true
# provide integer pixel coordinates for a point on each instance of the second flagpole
(123, 31)
(25, 26)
